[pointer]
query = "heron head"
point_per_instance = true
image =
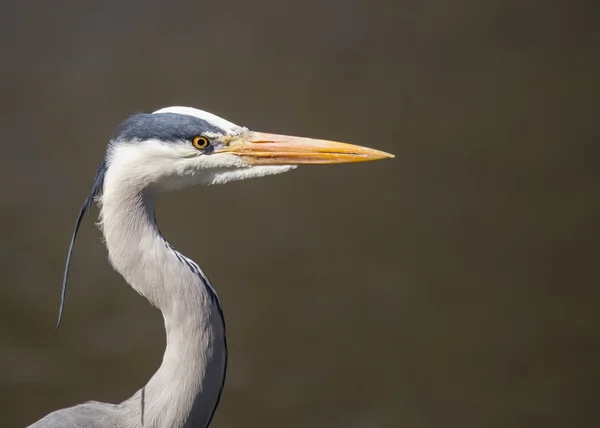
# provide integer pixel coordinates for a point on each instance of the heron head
(177, 146)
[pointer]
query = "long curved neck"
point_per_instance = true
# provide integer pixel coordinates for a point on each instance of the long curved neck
(185, 390)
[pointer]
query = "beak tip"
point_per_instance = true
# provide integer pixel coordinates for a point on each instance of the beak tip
(384, 155)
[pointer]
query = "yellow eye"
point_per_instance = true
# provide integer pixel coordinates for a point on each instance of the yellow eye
(200, 142)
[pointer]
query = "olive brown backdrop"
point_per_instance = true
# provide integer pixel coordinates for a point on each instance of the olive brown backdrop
(454, 286)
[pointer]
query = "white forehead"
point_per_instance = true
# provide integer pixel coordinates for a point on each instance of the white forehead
(204, 115)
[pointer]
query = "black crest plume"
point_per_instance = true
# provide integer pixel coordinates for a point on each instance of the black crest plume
(94, 191)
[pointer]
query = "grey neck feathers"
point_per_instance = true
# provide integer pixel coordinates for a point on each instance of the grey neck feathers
(185, 390)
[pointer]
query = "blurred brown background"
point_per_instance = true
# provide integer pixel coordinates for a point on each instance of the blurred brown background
(454, 286)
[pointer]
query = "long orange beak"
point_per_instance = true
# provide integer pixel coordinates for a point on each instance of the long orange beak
(258, 148)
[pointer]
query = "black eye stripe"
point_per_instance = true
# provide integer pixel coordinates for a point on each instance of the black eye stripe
(168, 127)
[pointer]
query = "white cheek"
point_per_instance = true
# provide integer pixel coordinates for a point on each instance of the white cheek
(169, 166)
(140, 165)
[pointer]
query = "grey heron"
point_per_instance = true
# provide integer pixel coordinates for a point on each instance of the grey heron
(164, 150)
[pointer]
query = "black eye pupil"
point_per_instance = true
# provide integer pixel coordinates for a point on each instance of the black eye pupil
(200, 142)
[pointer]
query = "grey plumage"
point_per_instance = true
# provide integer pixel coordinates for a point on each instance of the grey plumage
(153, 152)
